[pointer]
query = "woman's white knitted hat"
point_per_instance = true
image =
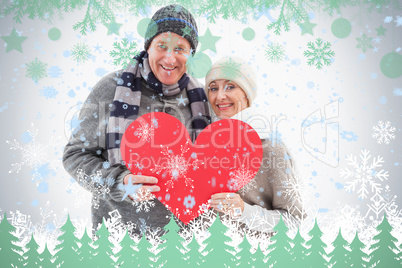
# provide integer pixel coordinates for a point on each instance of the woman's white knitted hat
(236, 70)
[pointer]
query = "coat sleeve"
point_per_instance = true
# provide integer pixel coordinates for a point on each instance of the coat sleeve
(85, 156)
(283, 198)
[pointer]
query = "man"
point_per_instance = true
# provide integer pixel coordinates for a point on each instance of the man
(153, 83)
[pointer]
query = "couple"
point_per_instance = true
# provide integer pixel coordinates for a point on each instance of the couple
(158, 82)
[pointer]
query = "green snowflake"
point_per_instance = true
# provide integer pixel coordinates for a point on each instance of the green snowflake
(124, 52)
(319, 54)
(231, 69)
(275, 53)
(364, 42)
(80, 52)
(36, 70)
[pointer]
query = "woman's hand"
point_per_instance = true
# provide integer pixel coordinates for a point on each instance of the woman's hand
(228, 203)
(141, 192)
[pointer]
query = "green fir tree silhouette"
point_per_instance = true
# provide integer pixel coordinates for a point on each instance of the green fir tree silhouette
(171, 254)
(126, 255)
(10, 253)
(31, 256)
(245, 257)
(103, 248)
(194, 256)
(316, 251)
(279, 255)
(145, 258)
(298, 251)
(85, 252)
(46, 258)
(67, 255)
(340, 255)
(383, 254)
(400, 254)
(357, 258)
(219, 253)
(259, 258)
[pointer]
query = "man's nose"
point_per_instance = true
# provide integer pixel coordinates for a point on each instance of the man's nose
(170, 57)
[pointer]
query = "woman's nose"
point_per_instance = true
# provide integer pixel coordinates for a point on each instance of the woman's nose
(221, 94)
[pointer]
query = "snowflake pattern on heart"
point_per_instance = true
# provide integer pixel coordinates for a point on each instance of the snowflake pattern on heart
(188, 174)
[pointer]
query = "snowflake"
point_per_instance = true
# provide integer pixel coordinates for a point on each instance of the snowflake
(348, 135)
(34, 155)
(243, 179)
(364, 42)
(80, 52)
(177, 166)
(22, 223)
(296, 189)
(346, 217)
(36, 70)
(49, 92)
(388, 19)
(145, 132)
(398, 21)
(48, 229)
(115, 226)
(320, 53)
(231, 69)
(364, 174)
(275, 53)
(124, 53)
(98, 186)
(383, 132)
(140, 200)
(310, 84)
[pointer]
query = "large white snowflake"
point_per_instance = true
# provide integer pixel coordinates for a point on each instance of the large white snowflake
(383, 132)
(242, 178)
(364, 174)
(141, 200)
(177, 166)
(34, 154)
(98, 186)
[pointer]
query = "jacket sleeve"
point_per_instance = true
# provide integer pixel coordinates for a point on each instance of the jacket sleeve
(85, 156)
(284, 198)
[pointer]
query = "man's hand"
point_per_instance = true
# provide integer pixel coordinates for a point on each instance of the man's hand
(139, 187)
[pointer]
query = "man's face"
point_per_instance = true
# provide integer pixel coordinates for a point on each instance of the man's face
(168, 55)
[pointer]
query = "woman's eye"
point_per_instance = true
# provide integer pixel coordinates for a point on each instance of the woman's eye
(230, 87)
(162, 46)
(213, 89)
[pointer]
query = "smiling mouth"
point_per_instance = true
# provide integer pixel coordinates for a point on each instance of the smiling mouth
(224, 106)
(169, 69)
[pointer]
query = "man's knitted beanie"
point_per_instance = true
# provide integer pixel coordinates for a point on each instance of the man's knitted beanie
(174, 19)
(236, 70)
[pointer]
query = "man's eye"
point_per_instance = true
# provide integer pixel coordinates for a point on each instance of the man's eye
(162, 46)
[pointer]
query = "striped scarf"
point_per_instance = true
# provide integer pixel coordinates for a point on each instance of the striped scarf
(127, 100)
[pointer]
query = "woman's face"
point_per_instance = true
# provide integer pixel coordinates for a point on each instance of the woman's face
(226, 98)
(168, 55)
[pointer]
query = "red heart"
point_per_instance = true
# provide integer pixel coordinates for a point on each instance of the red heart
(225, 157)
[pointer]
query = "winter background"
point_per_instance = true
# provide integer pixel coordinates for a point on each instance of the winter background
(340, 123)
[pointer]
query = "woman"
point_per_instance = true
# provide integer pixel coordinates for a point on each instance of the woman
(154, 82)
(231, 89)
